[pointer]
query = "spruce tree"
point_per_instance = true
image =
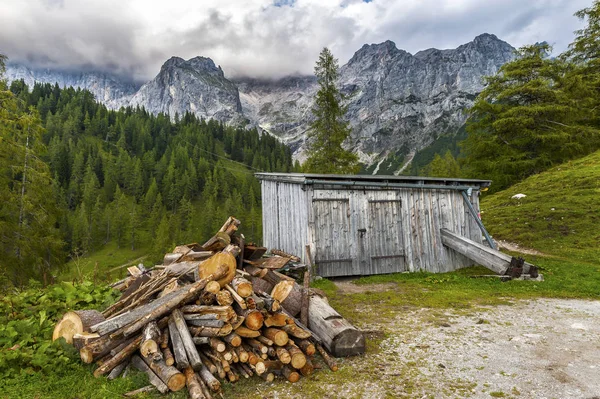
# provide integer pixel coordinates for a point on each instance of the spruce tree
(329, 129)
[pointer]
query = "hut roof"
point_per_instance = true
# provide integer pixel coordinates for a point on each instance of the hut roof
(382, 181)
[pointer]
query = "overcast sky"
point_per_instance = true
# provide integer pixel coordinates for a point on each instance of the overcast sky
(262, 38)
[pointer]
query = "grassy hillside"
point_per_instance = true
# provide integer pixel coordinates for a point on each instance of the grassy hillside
(559, 215)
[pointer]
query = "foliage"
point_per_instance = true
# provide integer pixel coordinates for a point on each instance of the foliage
(30, 243)
(559, 215)
(329, 130)
(27, 319)
(442, 167)
(526, 120)
(115, 176)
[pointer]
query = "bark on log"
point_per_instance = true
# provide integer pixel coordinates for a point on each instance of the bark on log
(193, 386)
(328, 360)
(181, 358)
(268, 377)
(304, 298)
(209, 379)
(306, 346)
(242, 354)
(264, 340)
(118, 358)
(245, 332)
(242, 286)
(150, 338)
(206, 323)
(283, 355)
(76, 322)
(298, 359)
(139, 317)
(139, 364)
(289, 373)
(233, 339)
(201, 340)
(217, 242)
(289, 294)
(236, 297)
(307, 369)
(285, 255)
(190, 348)
(174, 379)
(168, 356)
(211, 331)
(295, 331)
(217, 345)
(206, 298)
(225, 312)
(257, 345)
(260, 285)
(279, 337)
(339, 336)
(253, 319)
(276, 320)
(196, 255)
(83, 339)
(114, 373)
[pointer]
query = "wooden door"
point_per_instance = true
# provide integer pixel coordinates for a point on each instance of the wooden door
(333, 237)
(386, 245)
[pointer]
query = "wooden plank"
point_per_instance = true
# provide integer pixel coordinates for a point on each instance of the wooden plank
(479, 253)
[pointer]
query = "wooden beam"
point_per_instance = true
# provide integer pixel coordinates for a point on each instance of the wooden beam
(494, 260)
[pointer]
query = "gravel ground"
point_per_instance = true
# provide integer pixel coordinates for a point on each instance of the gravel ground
(533, 349)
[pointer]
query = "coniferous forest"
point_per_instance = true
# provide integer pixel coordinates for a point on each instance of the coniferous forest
(79, 176)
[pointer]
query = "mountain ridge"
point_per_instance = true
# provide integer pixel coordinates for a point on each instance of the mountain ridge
(398, 102)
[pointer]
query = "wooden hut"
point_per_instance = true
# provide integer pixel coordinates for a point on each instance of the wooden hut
(363, 225)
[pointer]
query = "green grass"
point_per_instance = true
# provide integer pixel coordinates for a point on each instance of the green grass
(100, 265)
(559, 216)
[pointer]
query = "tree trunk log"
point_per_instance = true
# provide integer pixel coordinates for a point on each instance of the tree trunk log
(209, 379)
(150, 339)
(339, 336)
(298, 358)
(276, 320)
(168, 356)
(118, 358)
(174, 379)
(279, 337)
(242, 286)
(289, 373)
(295, 331)
(306, 346)
(193, 386)
(307, 369)
(142, 315)
(224, 298)
(289, 294)
(76, 322)
(328, 360)
(181, 358)
(213, 287)
(82, 339)
(211, 331)
(224, 312)
(114, 373)
(283, 355)
(253, 319)
(245, 332)
(139, 364)
(190, 348)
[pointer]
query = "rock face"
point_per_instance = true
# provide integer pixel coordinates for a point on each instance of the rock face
(398, 102)
(197, 86)
(114, 91)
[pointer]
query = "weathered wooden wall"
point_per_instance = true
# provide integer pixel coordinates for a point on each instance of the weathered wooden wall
(367, 231)
(285, 215)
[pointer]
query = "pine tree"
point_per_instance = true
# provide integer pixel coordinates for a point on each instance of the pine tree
(329, 130)
(445, 166)
(30, 244)
(524, 121)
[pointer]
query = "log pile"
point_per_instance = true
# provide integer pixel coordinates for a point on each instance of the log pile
(210, 314)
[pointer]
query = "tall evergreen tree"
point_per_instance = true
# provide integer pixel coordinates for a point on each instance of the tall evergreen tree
(525, 121)
(30, 244)
(329, 130)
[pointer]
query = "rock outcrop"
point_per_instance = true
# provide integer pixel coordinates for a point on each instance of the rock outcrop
(398, 103)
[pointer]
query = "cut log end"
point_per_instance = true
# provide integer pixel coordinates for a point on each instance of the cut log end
(76, 322)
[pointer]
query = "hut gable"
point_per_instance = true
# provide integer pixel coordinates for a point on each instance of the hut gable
(363, 225)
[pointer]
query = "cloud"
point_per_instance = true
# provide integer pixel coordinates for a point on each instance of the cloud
(261, 38)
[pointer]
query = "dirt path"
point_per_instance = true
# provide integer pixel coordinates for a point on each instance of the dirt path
(538, 349)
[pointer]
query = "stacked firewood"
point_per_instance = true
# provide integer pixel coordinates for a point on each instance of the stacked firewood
(211, 313)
